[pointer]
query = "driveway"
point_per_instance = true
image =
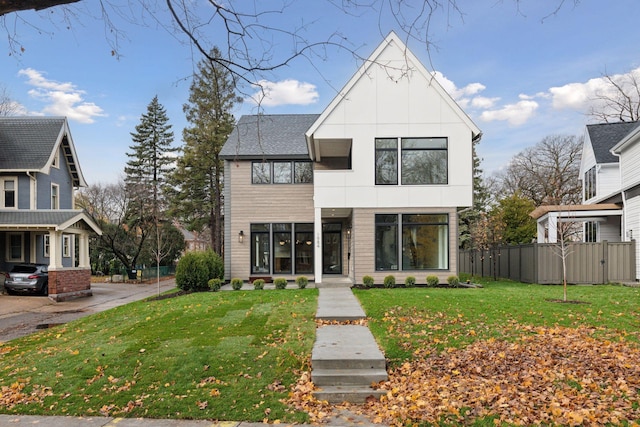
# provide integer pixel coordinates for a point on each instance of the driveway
(23, 315)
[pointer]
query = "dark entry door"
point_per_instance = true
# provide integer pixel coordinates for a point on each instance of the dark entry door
(332, 248)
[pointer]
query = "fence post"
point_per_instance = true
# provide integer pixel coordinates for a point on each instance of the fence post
(605, 261)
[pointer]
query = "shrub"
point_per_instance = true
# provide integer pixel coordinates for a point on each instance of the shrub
(258, 284)
(389, 281)
(453, 281)
(433, 281)
(367, 281)
(236, 284)
(280, 283)
(215, 284)
(192, 272)
(409, 281)
(215, 263)
(302, 281)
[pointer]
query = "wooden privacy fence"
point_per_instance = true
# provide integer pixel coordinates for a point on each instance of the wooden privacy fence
(587, 263)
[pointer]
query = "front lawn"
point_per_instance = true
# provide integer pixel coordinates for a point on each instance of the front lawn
(224, 356)
(507, 354)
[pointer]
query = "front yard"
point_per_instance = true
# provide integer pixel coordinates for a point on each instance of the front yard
(501, 354)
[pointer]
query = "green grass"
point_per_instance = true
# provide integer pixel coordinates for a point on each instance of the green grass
(403, 320)
(224, 356)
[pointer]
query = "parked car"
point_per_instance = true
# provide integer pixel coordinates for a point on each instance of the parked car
(28, 278)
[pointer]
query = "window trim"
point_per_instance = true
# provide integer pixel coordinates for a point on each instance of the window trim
(46, 246)
(8, 251)
(55, 203)
(66, 246)
(56, 159)
(3, 197)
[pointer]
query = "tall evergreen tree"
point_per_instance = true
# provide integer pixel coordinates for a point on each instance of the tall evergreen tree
(197, 181)
(470, 218)
(146, 171)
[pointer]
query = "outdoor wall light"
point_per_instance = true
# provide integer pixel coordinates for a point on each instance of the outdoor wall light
(240, 236)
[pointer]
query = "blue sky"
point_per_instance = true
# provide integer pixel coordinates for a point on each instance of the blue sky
(520, 77)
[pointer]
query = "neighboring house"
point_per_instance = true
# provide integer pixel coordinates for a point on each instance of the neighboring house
(610, 174)
(371, 186)
(39, 172)
(193, 241)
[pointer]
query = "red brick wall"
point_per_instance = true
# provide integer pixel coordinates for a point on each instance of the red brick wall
(69, 283)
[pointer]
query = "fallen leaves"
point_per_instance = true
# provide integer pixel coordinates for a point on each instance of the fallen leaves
(556, 375)
(15, 394)
(540, 376)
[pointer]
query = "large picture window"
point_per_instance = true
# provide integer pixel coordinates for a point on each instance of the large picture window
(386, 161)
(421, 241)
(424, 161)
(273, 248)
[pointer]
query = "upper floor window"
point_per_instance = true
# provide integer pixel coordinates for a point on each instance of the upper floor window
(386, 161)
(282, 172)
(9, 195)
(55, 196)
(423, 161)
(590, 183)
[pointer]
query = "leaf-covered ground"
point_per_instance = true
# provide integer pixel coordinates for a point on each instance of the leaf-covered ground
(545, 376)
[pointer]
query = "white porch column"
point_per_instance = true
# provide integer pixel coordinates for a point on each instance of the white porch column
(83, 249)
(317, 253)
(55, 250)
(541, 228)
(553, 227)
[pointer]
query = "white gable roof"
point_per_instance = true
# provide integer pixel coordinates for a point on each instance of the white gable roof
(388, 54)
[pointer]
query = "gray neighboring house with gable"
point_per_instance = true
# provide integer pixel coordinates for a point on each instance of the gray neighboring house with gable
(39, 173)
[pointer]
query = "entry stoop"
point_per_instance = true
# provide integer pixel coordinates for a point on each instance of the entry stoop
(346, 361)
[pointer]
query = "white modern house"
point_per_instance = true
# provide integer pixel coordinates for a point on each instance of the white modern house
(371, 186)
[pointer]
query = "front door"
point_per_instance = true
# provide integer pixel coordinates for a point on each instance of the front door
(332, 248)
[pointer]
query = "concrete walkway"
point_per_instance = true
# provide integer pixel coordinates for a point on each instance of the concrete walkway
(345, 359)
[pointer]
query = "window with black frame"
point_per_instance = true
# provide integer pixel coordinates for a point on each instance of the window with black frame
(260, 249)
(386, 161)
(424, 161)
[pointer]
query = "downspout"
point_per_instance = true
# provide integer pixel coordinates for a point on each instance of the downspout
(34, 192)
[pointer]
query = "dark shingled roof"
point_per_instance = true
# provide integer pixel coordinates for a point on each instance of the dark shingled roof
(269, 136)
(26, 143)
(604, 136)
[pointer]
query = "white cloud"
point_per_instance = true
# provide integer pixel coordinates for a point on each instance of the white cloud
(584, 96)
(516, 114)
(459, 94)
(285, 92)
(61, 99)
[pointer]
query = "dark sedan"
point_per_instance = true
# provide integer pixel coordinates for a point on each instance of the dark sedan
(28, 278)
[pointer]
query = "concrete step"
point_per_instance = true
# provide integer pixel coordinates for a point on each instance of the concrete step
(346, 347)
(341, 377)
(338, 304)
(352, 394)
